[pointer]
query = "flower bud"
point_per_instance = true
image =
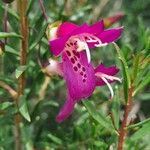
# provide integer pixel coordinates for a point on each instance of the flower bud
(113, 19)
(52, 67)
(51, 30)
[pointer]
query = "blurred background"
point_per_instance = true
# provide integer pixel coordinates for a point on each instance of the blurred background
(45, 95)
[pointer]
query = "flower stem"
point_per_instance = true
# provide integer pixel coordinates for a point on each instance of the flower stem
(22, 7)
(123, 130)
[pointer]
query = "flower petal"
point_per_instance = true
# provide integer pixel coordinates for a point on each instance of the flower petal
(66, 110)
(97, 28)
(110, 35)
(79, 76)
(65, 28)
(80, 81)
(108, 71)
(58, 44)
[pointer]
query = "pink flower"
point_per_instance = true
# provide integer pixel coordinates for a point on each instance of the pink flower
(72, 43)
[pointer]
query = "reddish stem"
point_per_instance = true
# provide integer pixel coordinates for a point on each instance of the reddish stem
(22, 7)
(123, 130)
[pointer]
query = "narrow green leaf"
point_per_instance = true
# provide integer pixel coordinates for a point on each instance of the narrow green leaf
(11, 12)
(116, 109)
(144, 82)
(23, 109)
(54, 139)
(38, 38)
(126, 75)
(30, 6)
(96, 115)
(11, 50)
(5, 105)
(136, 66)
(10, 34)
(139, 124)
(144, 96)
(20, 70)
(100, 144)
(143, 131)
(14, 24)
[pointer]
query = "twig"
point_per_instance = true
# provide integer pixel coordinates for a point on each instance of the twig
(123, 130)
(43, 9)
(10, 90)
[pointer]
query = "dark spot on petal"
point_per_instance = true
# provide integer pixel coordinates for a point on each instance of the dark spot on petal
(75, 68)
(83, 80)
(71, 43)
(83, 69)
(72, 60)
(75, 43)
(68, 45)
(75, 57)
(86, 37)
(74, 52)
(79, 66)
(81, 73)
(85, 76)
(68, 53)
(77, 54)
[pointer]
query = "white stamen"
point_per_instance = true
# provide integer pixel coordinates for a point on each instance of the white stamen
(109, 86)
(87, 52)
(82, 41)
(112, 78)
(91, 40)
(100, 44)
(82, 45)
(106, 77)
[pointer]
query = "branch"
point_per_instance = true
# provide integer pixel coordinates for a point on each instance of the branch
(22, 8)
(9, 89)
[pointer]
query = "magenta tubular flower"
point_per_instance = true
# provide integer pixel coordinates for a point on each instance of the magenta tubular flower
(72, 43)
